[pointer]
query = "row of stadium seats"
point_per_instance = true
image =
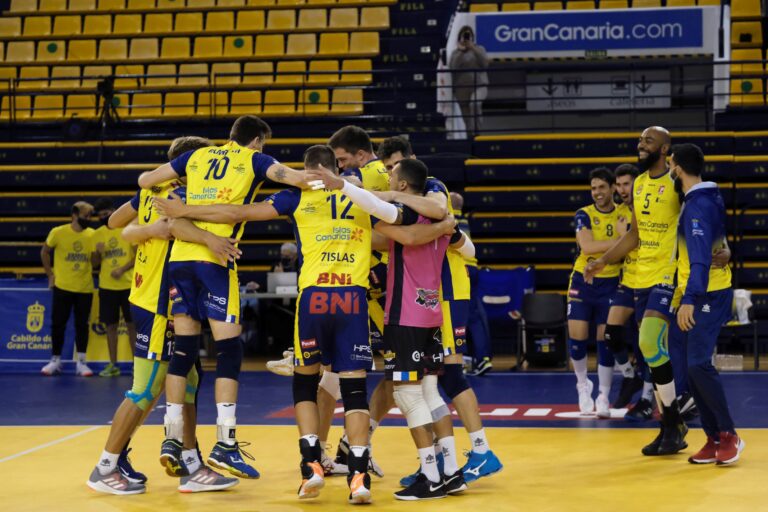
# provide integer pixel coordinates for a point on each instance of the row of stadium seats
(48, 6)
(348, 18)
(577, 5)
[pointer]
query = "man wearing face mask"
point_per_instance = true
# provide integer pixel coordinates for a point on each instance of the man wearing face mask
(116, 257)
(70, 278)
(289, 258)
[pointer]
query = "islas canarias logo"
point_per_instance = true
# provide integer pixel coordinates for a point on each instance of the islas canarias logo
(224, 194)
(35, 317)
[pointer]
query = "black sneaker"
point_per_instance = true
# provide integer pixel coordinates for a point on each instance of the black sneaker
(641, 411)
(674, 439)
(629, 386)
(688, 409)
(422, 489)
(652, 448)
(482, 367)
(342, 452)
(454, 483)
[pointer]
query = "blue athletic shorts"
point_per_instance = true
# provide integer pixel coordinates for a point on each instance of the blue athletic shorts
(624, 296)
(332, 328)
(454, 329)
(154, 335)
(590, 302)
(204, 290)
(656, 298)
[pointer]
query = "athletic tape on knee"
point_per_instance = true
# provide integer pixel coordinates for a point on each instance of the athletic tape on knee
(146, 382)
(453, 380)
(305, 388)
(410, 400)
(437, 406)
(614, 338)
(604, 355)
(229, 358)
(330, 382)
(185, 352)
(354, 394)
(577, 349)
(653, 341)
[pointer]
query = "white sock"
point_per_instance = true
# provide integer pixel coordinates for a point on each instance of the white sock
(358, 451)
(580, 369)
(429, 464)
(81, 357)
(225, 423)
(191, 460)
(647, 391)
(626, 370)
(312, 439)
(666, 393)
(173, 411)
(107, 462)
(479, 441)
(448, 447)
(174, 421)
(604, 379)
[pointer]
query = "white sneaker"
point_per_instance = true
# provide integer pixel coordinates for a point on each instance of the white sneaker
(373, 467)
(83, 370)
(52, 368)
(282, 366)
(586, 404)
(602, 406)
(331, 467)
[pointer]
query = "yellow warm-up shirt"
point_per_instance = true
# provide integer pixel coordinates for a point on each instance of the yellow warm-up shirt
(72, 250)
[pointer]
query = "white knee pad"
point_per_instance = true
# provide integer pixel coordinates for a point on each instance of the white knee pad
(330, 382)
(435, 402)
(410, 399)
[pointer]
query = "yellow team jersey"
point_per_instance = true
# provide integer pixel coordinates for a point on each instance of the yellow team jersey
(72, 250)
(629, 265)
(333, 235)
(117, 252)
(373, 175)
(719, 278)
(657, 208)
(603, 226)
(228, 174)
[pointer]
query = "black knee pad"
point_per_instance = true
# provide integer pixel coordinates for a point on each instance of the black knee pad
(354, 394)
(453, 381)
(614, 338)
(663, 374)
(305, 387)
(186, 350)
(229, 358)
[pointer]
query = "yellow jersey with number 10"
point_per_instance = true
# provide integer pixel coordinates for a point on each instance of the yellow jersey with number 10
(603, 227)
(629, 265)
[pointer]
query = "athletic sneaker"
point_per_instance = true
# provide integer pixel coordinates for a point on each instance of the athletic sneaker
(113, 483)
(603, 406)
(422, 489)
(586, 404)
(373, 467)
(170, 458)
(641, 411)
(688, 409)
(331, 468)
(454, 483)
(730, 448)
(629, 386)
(52, 368)
(110, 371)
(707, 455)
(673, 439)
(483, 367)
(359, 488)
(205, 479)
(480, 465)
(342, 452)
(82, 370)
(312, 480)
(227, 458)
(126, 469)
(282, 366)
(407, 481)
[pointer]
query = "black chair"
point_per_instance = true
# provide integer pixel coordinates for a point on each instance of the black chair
(543, 316)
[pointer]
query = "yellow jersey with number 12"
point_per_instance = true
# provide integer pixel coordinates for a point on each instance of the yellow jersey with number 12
(629, 265)
(603, 227)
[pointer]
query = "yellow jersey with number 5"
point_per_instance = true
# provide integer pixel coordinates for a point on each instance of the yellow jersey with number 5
(603, 226)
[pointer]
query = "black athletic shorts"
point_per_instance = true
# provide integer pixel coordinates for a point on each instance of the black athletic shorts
(110, 304)
(412, 352)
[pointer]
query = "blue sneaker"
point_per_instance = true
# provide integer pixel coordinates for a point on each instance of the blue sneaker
(228, 458)
(478, 466)
(170, 458)
(124, 465)
(409, 480)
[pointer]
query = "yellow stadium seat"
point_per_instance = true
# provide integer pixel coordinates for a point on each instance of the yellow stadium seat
(741, 9)
(144, 48)
(48, 107)
(220, 21)
(189, 22)
(746, 34)
(547, 6)
(258, 73)
(113, 49)
(5, 108)
(364, 42)
(201, 3)
(261, 2)
(291, 72)
(37, 25)
(334, 44)
(301, 44)
(220, 106)
(23, 106)
(310, 2)
(66, 77)
(33, 77)
(351, 71)
(231, 3)
(347, 101)
(6, 74)
(111, 5)
(614, 4)
(81, 105)
(483, 8)
(374, 17)
(175, 48)
(747, 91)
(10, 27)
(23, 5)
(121, 104)
(270, 45)
(147, 105)
(246, 102)
(278, 101)
(323, 72)
(290, 2)
(580, 5)
(51, 50)
(313, 18)
(747, 68)
(52, 5)
(20, 51)
(516, 6)
(66, 25)
(709, 2)
(141, 4)
(193, 74)
(97, 24)
(238, 46)
(161, 75)
(230, 69)
(282, 20)
(129, 76)
(158, 23)
(207, 47)
(82, 5)
(170, 4)
(645, 3)
(92, 75)
(248, 21)
(179, 104)
(345, 17)
(127, 24)
(681, 3)
(313, 101)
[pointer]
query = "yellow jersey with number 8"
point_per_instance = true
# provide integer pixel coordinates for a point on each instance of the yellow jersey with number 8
(603, 226)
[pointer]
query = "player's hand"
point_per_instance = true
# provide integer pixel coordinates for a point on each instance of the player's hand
(162, 229)
(225, 249)
(386, 195)
(721, 258)
(330, 180)
(172, 207)
(450, 224)
(117, 273)
(592, 269)
(353, 180)
(685, 317)
(51, 281)
(621, 226)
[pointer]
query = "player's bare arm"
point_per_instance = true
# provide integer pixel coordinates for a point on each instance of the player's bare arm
(589, 245)
(160, 175)
(225, 249)
(45, 257)
(122, 216)
(620, 249)
(416, 234)
(426, 206)
(136, 234)
(287, 176)
(175, 208)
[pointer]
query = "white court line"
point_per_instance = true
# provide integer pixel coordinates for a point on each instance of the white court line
(52, 443)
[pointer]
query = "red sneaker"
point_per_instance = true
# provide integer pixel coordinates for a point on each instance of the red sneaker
(707, 455)
(731, 446)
